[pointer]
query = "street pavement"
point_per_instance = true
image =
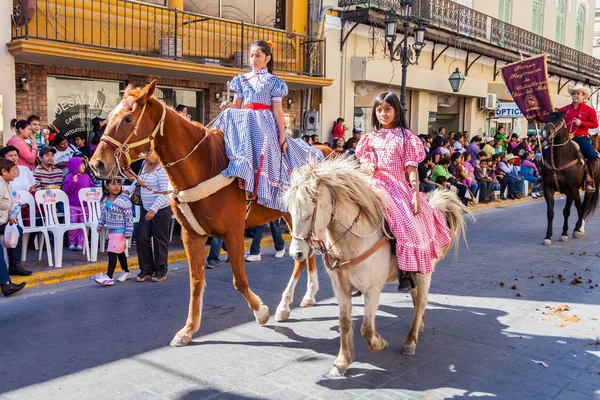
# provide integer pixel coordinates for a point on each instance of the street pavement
(77, 340)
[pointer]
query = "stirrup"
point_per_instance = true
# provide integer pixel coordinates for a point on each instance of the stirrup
(590, 187)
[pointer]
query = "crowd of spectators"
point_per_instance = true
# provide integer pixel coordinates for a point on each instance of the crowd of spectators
(44, 159)
(489, 169)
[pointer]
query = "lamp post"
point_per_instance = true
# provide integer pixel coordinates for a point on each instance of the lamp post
(407, 55)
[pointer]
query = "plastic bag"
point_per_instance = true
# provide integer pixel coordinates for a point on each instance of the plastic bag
(11, 236)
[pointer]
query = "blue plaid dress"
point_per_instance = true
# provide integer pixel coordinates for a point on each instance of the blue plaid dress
(252, 140)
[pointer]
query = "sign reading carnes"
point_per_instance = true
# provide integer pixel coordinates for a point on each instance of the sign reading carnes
(508, 110)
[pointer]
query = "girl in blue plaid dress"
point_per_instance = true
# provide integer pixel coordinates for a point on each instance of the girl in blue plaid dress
(259, 151)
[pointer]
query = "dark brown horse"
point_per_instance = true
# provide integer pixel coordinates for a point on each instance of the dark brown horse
(563, 172)
(191, 155)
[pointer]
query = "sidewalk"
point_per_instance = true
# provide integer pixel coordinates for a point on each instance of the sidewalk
(75, 265)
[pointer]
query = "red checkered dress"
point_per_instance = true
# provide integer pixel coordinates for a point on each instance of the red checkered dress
(420, 237)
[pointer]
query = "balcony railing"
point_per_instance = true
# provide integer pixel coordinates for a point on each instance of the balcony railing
(135, 28)
(457, 19)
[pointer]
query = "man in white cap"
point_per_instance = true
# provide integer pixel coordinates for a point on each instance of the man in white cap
(579, 118)
(489, 146)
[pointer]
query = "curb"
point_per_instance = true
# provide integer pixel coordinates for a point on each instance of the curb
(84, 271)
(87, 270)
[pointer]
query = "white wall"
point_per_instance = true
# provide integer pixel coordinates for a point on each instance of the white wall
(7, 72)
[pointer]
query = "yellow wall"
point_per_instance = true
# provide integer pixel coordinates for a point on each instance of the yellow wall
(134, 27)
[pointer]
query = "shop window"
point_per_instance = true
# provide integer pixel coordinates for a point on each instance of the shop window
(362, 119)
(192, 99)
(73, 103)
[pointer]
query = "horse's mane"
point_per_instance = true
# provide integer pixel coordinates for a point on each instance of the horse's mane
(345, 181)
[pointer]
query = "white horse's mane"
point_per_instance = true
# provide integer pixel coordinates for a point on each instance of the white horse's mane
(345, 181)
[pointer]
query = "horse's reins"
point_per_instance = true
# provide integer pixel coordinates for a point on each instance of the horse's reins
(552, 166)
(122, 148)
(332, 263)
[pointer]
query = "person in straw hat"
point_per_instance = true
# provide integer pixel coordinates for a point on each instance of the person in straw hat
(579, 118)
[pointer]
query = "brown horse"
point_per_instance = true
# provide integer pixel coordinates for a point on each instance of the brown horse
(563, 172)
(191, 155)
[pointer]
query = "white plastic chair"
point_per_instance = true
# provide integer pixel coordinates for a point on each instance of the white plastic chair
(24, 197)
(90, 200)
(46, 201)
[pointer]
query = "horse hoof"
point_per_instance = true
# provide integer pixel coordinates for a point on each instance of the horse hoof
(282, 315)
(409, 350)
(564, 238)
(180, 341)
(262, 315)
(379, 345)
(577, 234)
(308, 302)
(338, 371)
(546, 242)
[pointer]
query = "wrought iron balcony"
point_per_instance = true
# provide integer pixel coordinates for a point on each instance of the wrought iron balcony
(456, 25)
(142, 29)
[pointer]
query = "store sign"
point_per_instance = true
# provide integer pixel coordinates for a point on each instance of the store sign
(508, 110)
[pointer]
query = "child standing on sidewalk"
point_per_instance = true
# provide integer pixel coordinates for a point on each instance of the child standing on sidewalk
(76, 179)
(117, 217)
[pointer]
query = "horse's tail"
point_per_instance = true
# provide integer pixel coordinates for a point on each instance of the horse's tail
(590, 202)
(454, 210)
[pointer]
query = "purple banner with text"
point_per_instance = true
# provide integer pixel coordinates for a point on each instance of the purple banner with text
(527, 82)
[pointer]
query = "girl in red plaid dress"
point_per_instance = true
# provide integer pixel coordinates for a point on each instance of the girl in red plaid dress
(391, 154)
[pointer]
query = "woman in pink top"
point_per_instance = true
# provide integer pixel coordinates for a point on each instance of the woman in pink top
(389, 154)
(27, 152)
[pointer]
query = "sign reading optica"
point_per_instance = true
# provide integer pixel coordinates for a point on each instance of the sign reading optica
(508, 110)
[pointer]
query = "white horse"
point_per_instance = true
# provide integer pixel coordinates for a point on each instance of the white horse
(334, 205)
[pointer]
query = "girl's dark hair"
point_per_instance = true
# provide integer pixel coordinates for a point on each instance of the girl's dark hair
(465, 155)
(180, 107)
(58, 139)
(440, 180)
(393, 100)
(105, 184)
(18, 124)
(340, 119)
(428, 158)
(455, 156)
(6, 165)
(265, 48)
(438, 141)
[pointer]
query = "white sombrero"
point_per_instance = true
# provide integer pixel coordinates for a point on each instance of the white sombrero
(587, 92)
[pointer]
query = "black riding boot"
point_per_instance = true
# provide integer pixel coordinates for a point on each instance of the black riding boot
(407, 281)
(589, 184)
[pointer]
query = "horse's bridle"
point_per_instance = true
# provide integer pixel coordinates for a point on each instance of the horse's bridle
(331, 262)
(122, 148)
(552, 166)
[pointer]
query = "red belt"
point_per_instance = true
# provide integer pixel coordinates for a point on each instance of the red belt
(257, 106)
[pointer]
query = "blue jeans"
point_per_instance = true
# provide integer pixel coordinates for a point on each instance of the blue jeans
(533, 179)
(257, 237)
(4, 277)
(215, 250)
(428, 187)
(587, 149)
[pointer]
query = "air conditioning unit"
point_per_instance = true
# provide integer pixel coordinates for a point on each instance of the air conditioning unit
(488, 102)
(311, 120)
(444, 101)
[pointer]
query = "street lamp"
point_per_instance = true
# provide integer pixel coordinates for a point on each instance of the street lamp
(456, 80)
(407, 55)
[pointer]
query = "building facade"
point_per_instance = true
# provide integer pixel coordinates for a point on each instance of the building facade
(476, 36)
(69, 61)
(596, 52)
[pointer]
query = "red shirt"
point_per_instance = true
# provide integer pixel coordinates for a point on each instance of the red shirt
(585, 113)
(338, 131)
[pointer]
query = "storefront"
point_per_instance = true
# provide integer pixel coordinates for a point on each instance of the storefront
(508, 116)
(74, 103)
